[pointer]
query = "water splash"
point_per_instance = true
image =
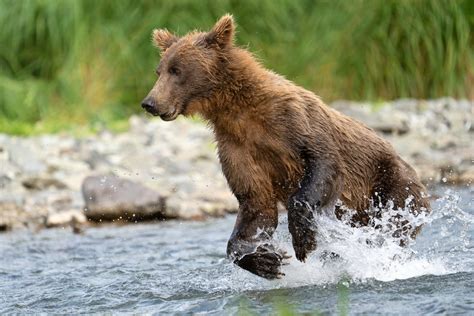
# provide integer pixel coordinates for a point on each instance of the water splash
(362, 254)
(179, 267)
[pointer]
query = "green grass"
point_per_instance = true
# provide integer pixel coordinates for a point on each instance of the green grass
(282, 302)
(79, 64)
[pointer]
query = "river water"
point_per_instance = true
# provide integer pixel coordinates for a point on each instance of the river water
(179, 268)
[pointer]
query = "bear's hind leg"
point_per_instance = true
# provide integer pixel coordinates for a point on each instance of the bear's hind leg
(402, 190)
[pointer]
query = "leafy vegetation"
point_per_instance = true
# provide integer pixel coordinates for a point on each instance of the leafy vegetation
(91, 62)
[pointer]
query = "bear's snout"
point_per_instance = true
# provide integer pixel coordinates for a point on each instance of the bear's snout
(150, 106)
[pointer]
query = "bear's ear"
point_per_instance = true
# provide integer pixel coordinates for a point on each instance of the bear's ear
(222, 33)
(163, 39)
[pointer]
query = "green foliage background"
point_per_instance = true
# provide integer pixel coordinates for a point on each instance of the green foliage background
(66, 62)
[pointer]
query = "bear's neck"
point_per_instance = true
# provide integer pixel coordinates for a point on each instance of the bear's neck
(245, 85)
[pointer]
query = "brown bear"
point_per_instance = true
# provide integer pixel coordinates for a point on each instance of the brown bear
(278, 142)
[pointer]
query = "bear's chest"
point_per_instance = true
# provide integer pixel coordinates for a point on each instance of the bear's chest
(261, 162)
(280, 164)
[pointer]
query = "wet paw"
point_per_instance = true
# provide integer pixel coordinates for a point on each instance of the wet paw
(266, 262)
(303, 230)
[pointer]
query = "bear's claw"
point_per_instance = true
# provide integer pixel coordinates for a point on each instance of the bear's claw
(266, 262)
(303, 231)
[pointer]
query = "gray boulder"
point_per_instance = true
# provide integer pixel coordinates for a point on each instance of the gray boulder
(110, 198)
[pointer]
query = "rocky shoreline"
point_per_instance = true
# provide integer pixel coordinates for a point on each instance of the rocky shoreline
(161, 170)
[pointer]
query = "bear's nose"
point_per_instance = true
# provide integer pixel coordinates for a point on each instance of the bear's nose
(149, 105)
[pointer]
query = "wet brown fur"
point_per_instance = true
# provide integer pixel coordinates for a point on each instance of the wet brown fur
(265, 126)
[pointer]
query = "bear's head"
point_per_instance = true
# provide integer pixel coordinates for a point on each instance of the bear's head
(191, 69)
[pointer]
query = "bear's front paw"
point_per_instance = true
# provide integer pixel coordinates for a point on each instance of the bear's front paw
(302, 229)
(266, 262)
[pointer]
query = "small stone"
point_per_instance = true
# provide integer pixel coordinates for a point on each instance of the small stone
(24, 157)
(12, 214)
(61, 219)
(4, 227)
(176, 207)
(42, 183)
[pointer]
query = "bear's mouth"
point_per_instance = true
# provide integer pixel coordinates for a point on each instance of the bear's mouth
(169, 116)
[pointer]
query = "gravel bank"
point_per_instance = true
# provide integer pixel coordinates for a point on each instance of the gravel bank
(41, 177)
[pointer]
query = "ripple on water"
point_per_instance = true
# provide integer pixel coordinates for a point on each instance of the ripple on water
(180, 267)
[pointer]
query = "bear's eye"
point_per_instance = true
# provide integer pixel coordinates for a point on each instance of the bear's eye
(174, 71)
